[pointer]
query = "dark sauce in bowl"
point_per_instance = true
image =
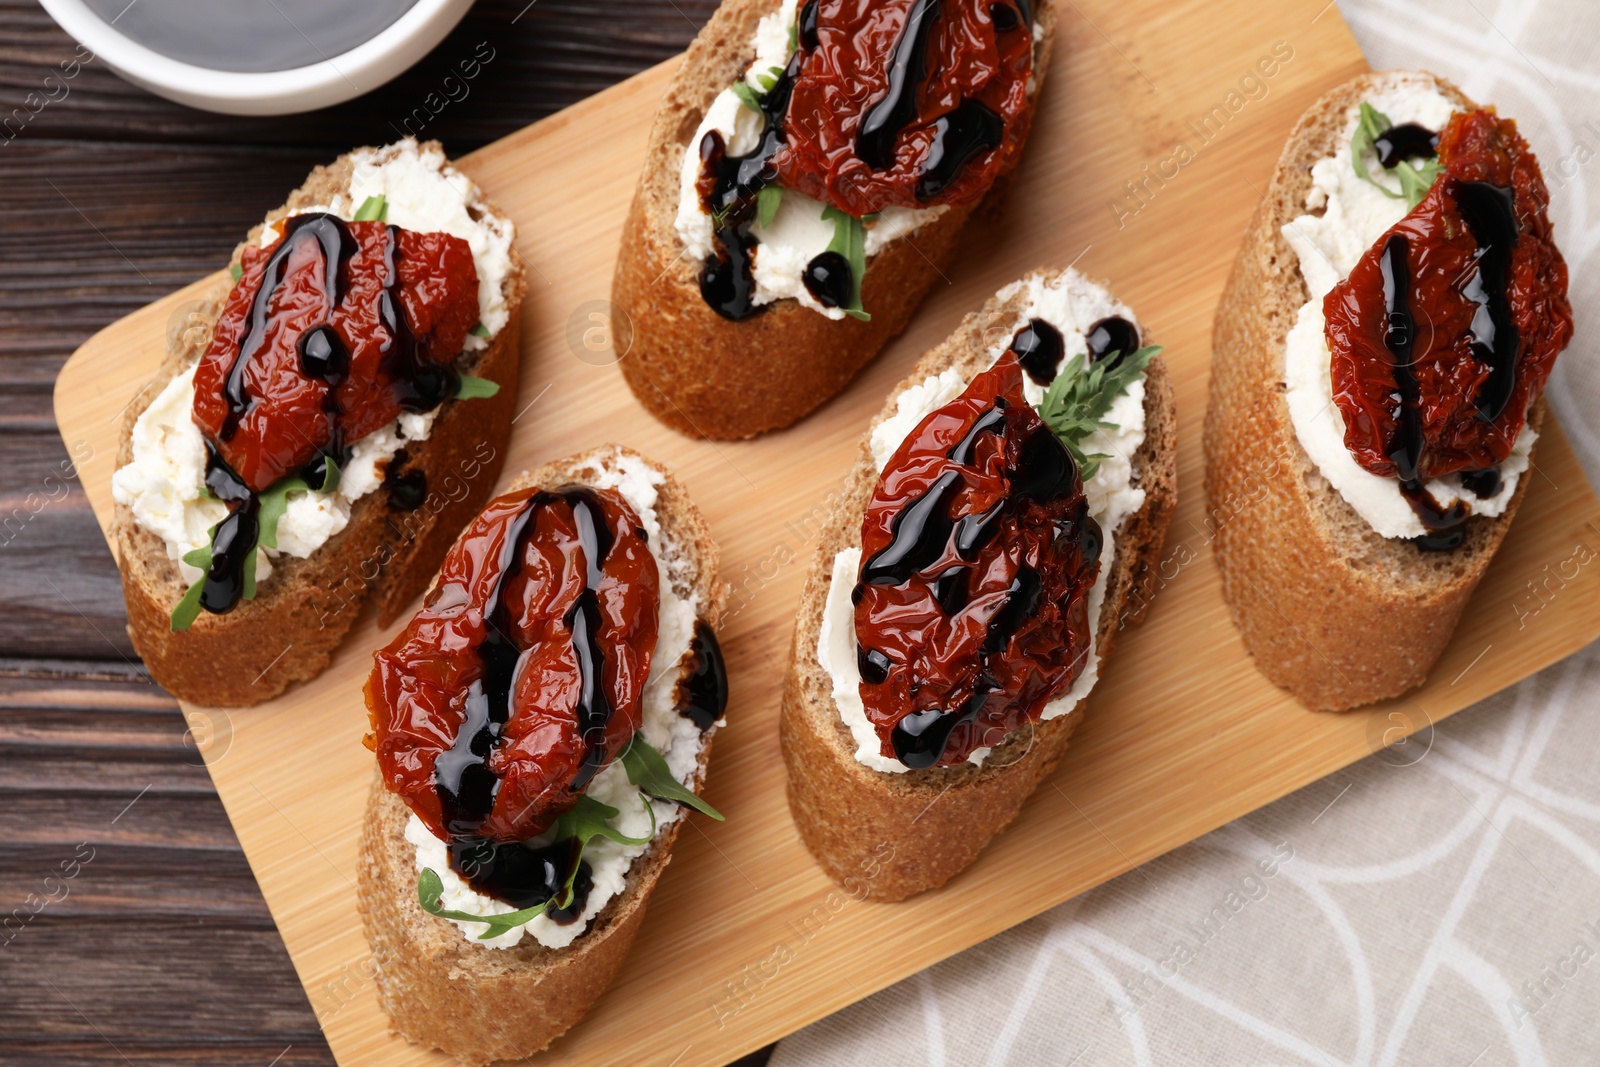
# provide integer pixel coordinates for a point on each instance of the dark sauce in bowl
(249, 36)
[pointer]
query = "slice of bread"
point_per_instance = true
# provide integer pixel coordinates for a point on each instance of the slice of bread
(704, 375)
(482, 1004)
(887, 836)
(383, 556)
(1332, 611)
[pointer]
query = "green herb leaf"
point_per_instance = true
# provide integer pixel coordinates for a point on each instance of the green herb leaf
(1075, 404)
(273, 503)
(648, 770)
(372, 209)
(476, 388)
(748, 96)
(1414, 181)
(188, 609)
(429, 887)
(237, 271)
(330, 476)
(767, 202)
(850, 241)
(480, 330)
(794, 35)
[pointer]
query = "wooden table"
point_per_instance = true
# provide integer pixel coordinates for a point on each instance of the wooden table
(131, 928)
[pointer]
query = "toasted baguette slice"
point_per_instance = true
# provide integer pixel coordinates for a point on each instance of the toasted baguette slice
(886, 836)
(705, 376)
(482, 1004)
(384, 556)
(1332, 611)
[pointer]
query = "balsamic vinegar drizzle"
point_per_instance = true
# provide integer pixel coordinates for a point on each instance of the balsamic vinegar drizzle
(828, 278)
(922, 531)
(1114, 336)
(1040, 348)
(466, 787)
(726, 279)
(1489, 213)
(970, 130)
(889, 117)
(1407, 141)
(420, 385)
(407, 489)
(703, 691)
(1445, 526)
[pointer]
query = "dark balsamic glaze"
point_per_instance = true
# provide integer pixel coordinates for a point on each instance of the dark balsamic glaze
(970, 130)
(1482, 484)
(1444, 526)
(885, 120)
(324, 358)
(921, 531)
(465, 785)
(407, 489)
(234, 538)
(1045, 471)
(1407, 141)
(232, 544)
(703, 692)
(1040, 348)
(991, 421)
(873, 665)
(1489, 212)
(523, 876)
(828, 278)
(1115, 337)
(806, 34)
(726, 279)
(1005, 17)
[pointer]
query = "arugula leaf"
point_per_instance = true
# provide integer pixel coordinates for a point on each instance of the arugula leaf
(372, 209)
(188, 609)
(1075, 404)
(794, 36)
(1414, 181)
(767, 202)
(747, 96)
(480, 330)
(850, 241)
(476, 388)
(273, 503)
(430, 886)
(648, 770)
(330, 476)
(237, 272)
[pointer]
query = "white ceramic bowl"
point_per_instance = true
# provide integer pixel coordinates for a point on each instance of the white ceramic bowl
(279, 92)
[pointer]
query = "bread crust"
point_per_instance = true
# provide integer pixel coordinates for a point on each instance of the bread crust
(884, 836)
(703, 375)
(383, 556)
(480, 1004)
(1331, 611)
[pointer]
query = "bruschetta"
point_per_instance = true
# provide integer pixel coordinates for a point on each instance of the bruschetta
(317, 437)
(807, 180)
(541, 728)
(1002, 523)
(1380, 353)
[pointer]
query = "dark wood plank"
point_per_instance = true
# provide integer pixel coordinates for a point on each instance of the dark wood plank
(131, 929)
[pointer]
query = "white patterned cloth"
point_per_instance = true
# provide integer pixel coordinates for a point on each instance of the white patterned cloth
(1441, 910)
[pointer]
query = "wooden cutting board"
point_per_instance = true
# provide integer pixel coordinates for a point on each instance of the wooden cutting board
(746, 940)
